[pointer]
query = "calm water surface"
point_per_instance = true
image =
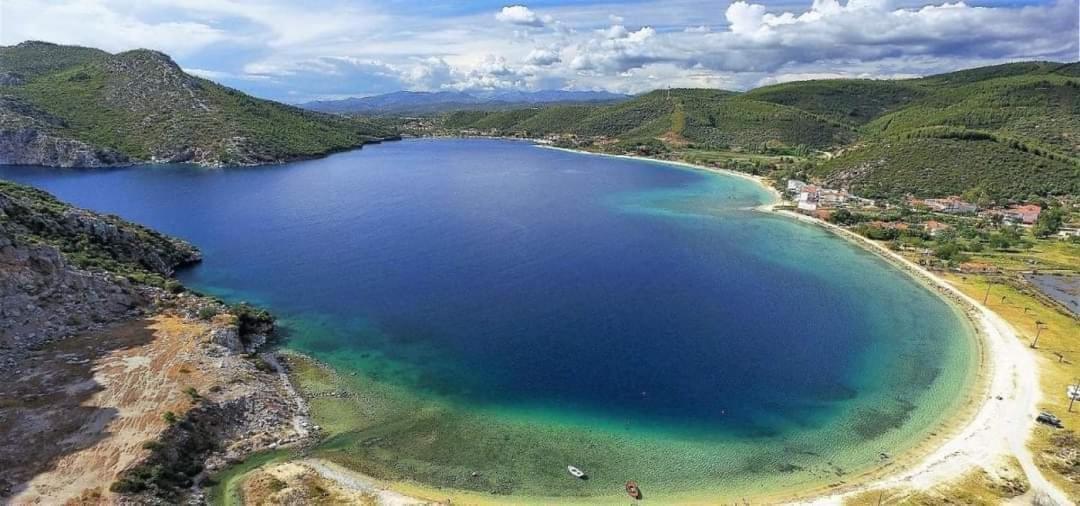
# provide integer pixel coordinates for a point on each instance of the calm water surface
(511, 309)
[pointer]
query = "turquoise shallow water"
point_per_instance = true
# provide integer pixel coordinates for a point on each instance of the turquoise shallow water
(509, 310)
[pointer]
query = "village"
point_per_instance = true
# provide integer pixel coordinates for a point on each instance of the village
(942, 232)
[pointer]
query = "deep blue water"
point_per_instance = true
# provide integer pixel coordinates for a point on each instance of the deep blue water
(496, 273)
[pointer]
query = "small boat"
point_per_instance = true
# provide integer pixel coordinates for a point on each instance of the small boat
(633, 490)
(578, 473)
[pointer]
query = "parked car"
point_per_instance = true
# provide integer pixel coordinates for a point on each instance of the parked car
(1049, 419)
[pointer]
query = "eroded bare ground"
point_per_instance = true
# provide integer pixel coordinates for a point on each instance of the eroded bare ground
(82, 410)
(312, 481)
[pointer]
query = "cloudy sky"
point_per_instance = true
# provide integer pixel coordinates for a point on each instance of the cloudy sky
(298, 51)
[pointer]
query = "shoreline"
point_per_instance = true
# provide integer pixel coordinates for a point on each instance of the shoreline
(997, 429)
(984, 432)
(989, 431)
(761, 181)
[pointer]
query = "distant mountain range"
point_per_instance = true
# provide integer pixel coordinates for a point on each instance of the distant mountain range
(425, 103)
(77, 107)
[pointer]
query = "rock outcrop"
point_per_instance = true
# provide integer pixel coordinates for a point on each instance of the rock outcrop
(45, 296)
(104, 355)
(28, 136)
(31, 146)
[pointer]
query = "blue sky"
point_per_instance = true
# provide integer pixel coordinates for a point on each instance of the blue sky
(299, 51)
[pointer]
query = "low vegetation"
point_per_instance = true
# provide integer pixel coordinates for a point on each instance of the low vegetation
(176, 458)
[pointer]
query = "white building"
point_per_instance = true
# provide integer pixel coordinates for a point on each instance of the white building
(808, 198)
(795, 187)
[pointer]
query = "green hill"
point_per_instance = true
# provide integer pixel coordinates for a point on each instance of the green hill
(63, 105)
(1039, 109)
(851, 101)
(707, 118)
(1012, 129)
(940, 166)
(33, 59)
(979, 74)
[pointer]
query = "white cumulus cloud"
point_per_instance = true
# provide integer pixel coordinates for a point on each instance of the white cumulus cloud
(542, 57)
(521, 15)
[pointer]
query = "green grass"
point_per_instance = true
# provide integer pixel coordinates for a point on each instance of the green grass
(226, 488)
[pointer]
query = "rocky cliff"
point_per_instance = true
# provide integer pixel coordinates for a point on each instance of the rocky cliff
(65, 270)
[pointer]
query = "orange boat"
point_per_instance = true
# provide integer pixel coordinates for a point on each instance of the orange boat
(633, 490)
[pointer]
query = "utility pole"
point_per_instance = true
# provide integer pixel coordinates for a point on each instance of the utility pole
(989, 283)
(1075, 391)
(1039, 326)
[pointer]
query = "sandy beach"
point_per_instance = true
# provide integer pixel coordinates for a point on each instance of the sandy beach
(1004, 421)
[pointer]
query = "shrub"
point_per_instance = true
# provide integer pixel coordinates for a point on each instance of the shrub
(207, 312)
(950, 252)
(192, 393)
(251, 319)
(174, 286)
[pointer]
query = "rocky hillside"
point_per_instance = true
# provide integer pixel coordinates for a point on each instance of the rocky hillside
(65, 270)
(78, 107)
(119, 386)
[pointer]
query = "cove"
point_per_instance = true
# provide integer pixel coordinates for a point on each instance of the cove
(505, 310)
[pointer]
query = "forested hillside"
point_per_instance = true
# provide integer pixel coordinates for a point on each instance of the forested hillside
(1013, 130)
(73, 106)
(708, 118)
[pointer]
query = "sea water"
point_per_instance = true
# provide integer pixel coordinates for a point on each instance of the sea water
(499, 310)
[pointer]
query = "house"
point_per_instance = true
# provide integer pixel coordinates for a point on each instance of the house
(854, 201)
(1069, 231)
(832, 198)
(934, 227)
(951, 205)
(808, 198)
(795, 187)
(1027, 214)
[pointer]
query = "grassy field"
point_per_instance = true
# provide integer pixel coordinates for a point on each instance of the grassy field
(1058, 353)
